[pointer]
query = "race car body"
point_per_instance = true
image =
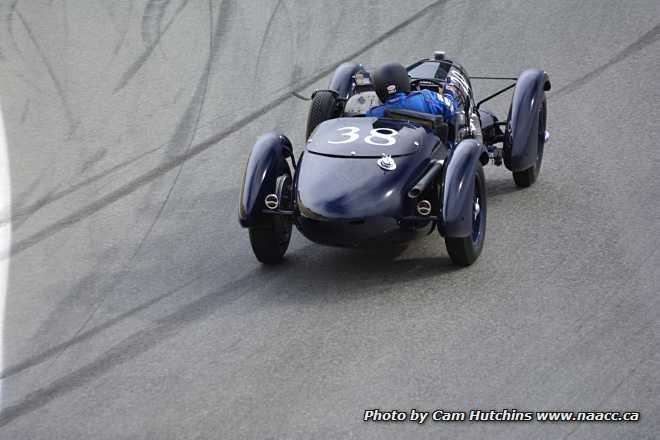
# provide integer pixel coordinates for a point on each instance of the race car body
(368, 181)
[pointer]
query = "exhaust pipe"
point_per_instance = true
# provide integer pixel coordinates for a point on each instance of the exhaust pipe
(429, 176)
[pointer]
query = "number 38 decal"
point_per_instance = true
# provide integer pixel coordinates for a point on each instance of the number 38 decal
(377, 136)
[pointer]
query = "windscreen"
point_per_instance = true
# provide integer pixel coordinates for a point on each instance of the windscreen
(424, 70)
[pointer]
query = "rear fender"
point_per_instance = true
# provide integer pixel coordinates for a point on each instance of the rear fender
(458, 186)
(342, 79)
(261, 176)
(520, 137)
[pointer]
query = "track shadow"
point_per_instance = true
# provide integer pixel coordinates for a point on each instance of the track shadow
(315, 273)
(160, 330)
(500, 187)
(338, 266)
(328, 275)
(388, 262)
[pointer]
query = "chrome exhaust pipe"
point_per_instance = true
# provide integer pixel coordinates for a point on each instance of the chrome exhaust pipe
(429, 176)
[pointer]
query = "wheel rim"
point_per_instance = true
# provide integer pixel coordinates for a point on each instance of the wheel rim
(477, 214)
(281, 224)
(541, 140)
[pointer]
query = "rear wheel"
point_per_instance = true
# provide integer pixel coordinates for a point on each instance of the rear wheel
(465, 250)
(324, 107)
(270, 239)
(527, 177)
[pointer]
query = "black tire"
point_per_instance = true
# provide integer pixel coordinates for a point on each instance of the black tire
(324, 107)
(270, 239)
(527, 177)
(465, 250)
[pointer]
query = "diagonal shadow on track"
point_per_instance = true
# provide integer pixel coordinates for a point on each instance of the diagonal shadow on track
(199, 148)
(379, 266)
(161, 330)
(87, 334)
(364, 266)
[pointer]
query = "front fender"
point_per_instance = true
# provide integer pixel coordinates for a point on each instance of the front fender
(261, 175)
(458, 186)
(520, 137)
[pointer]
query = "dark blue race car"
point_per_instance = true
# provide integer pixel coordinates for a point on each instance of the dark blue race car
(365, 181)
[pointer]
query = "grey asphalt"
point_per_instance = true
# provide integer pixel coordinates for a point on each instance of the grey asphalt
(135, 308)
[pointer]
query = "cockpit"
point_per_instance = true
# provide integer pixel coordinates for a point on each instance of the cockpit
(364, 97)
(430, 74)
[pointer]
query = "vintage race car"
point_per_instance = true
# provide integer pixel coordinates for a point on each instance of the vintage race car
(364, 181)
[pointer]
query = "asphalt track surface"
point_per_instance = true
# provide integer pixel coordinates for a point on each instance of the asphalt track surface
(135, 308)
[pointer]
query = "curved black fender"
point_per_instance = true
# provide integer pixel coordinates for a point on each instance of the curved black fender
(261, 175)
(340, 86)
(520, 136)
(458, 186)
(342, 79)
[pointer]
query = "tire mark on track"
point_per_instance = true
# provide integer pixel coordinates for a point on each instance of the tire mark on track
(17, 221)
(265, 37)
(20, 214)
(136, 344)
(184, 134)
(7, 10)
(124, 30)
(26, 193)
(647, 39)
(202, 146)
(93, 159)
(9, 24)
(121, 30)
(152, 20)
(51, 73)
(137, 65)
(187, 128)
(82, 336)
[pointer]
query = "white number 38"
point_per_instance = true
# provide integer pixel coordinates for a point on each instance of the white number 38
(377, 136)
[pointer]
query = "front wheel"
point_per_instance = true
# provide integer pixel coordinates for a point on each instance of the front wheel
(270, 238)
(270, 242)
(465, 250)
